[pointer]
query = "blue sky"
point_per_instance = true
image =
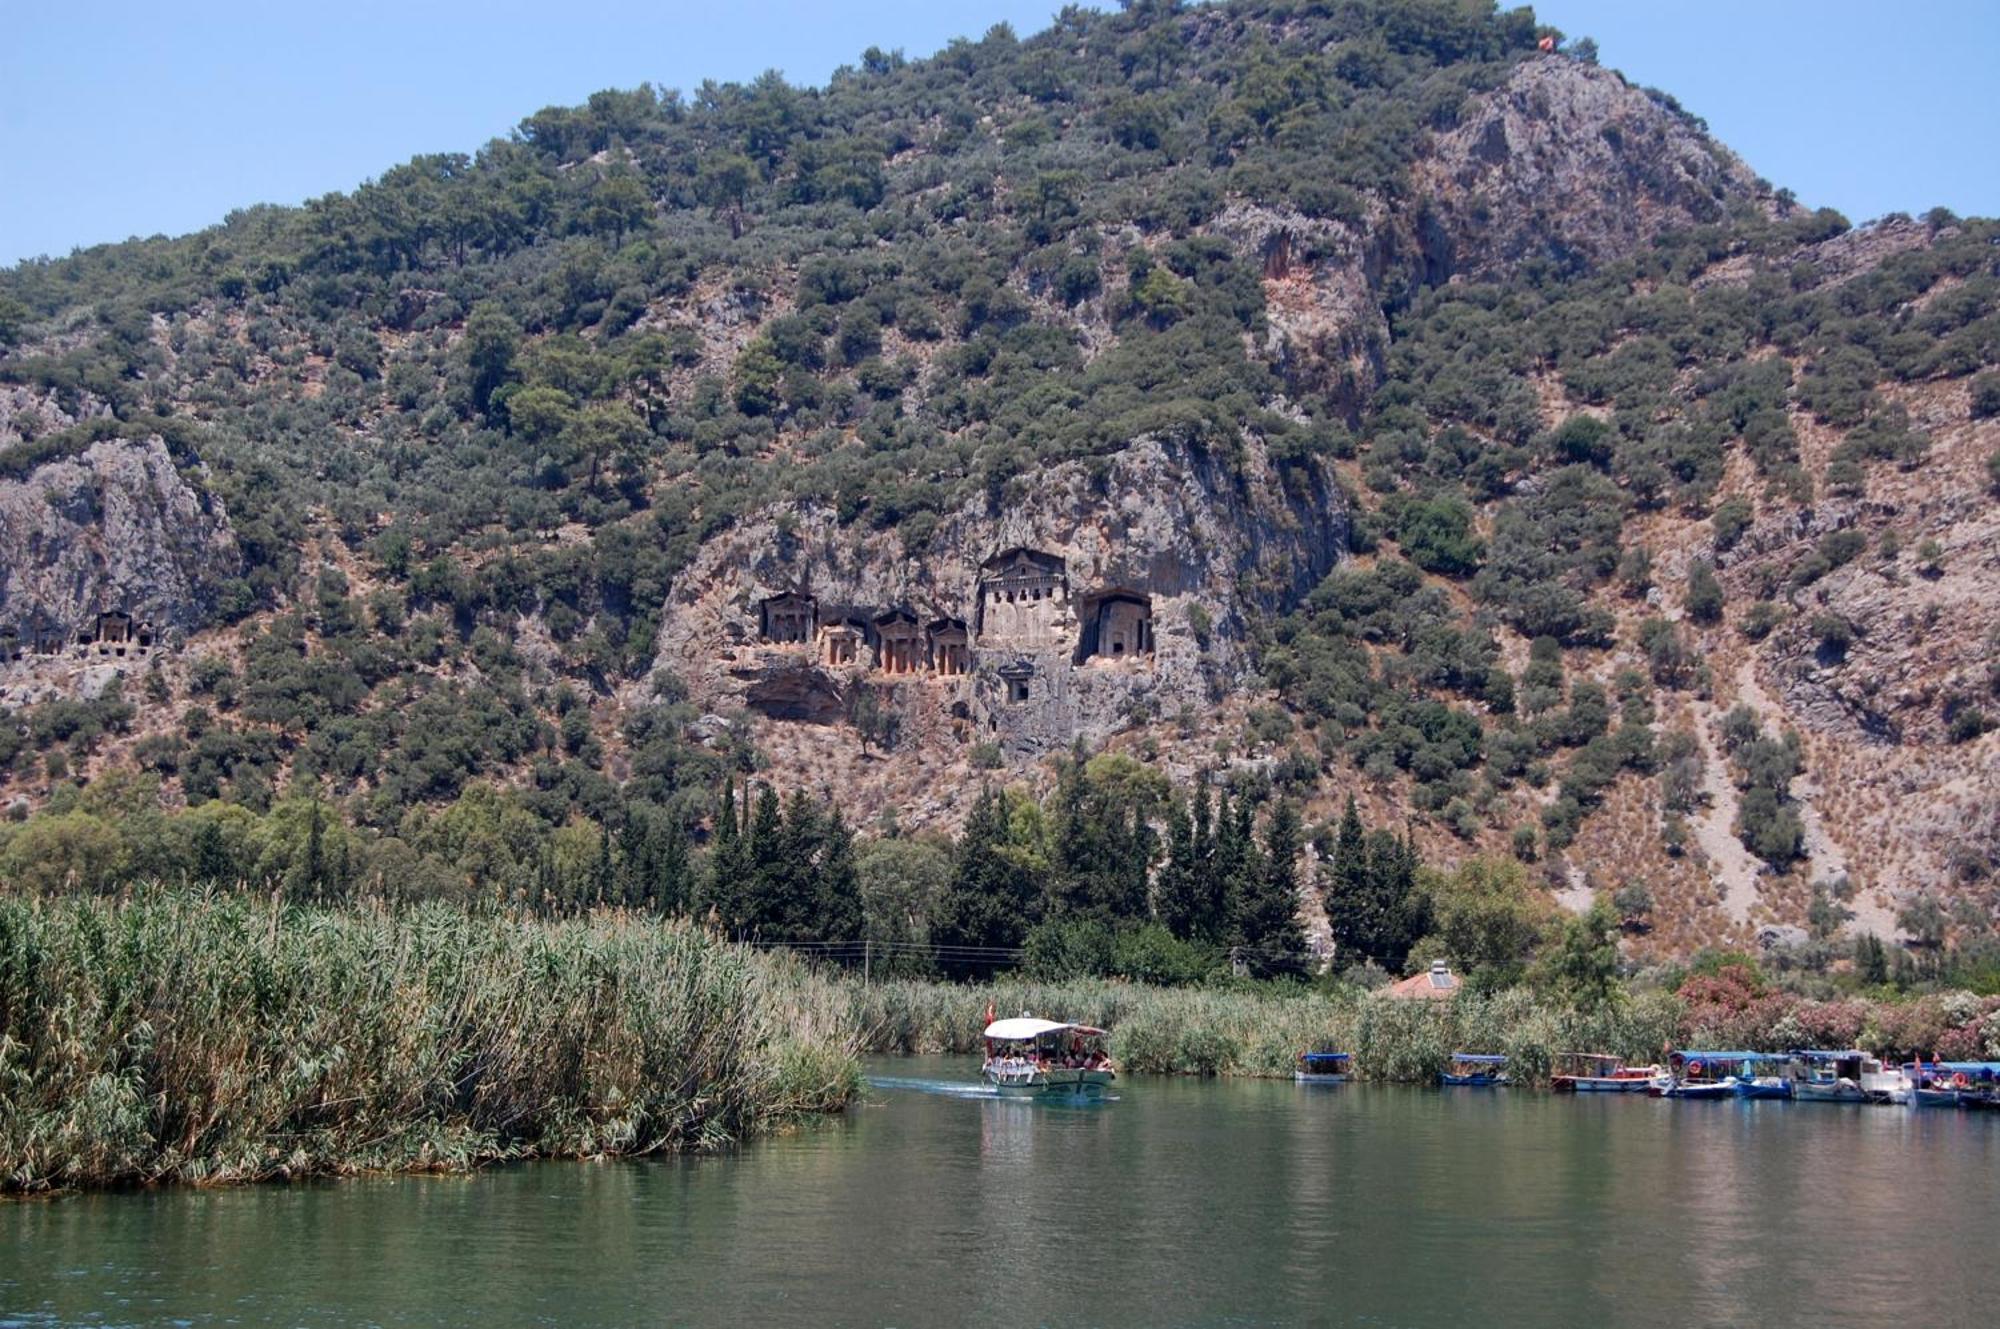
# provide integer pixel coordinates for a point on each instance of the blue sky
(121, 118)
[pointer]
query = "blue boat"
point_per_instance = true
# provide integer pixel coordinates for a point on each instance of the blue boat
(1601, 1073)
(1726, 1075)
(1967, 1084)
(1322, 1067)
(1476, 1070)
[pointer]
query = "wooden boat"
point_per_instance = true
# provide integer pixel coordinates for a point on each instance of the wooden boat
(1600, 1073)
(1845, 1076)
(1725, 1075)
(1476, 1070)
(1025, 1055)
(1323, 1067)
(1971, 1084)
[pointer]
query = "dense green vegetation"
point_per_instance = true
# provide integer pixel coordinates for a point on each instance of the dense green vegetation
(511, 392)
(212, 1038)
(209, 1039)
(1724, 1001)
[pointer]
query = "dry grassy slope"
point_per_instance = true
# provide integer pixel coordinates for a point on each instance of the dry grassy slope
(1895, 816)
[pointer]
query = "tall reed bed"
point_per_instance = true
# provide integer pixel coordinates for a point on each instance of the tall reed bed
(1194, 1032)
(209, 1039)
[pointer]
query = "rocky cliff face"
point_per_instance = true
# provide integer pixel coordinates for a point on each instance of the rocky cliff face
(1159, 534)
(1569, 162)
(116, 528)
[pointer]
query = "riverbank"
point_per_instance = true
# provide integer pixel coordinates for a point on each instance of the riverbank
(1189, 1031)
(180, 1037)
(1185, 1031)
(183, 1038)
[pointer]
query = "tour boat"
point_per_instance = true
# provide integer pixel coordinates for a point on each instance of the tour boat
(1973, 1084)
(1724, 1075)
(1845, 1076)
(1600, 1073)
(1322, 1067)
(1029, 1056)
(1476, 1070)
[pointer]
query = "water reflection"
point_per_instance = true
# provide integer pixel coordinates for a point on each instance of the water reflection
(1183, 1203)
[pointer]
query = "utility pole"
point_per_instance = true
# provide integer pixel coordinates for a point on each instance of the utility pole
(867, 954)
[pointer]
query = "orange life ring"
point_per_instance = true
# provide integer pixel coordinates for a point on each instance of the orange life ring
(1959, 1081)
(1694, 1068)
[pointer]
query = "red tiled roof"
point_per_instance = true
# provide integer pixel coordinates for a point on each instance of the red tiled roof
(1434, 984)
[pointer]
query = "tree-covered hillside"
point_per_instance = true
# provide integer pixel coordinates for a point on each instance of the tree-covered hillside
(1673, 561)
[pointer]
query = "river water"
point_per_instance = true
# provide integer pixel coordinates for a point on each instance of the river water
(1181, 1202)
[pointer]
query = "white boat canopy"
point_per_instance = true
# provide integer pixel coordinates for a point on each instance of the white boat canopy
(1021, 1028)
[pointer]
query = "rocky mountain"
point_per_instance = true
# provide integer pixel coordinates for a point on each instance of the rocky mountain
(1373, 399)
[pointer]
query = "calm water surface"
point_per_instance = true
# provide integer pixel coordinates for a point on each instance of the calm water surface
(1180, 1203)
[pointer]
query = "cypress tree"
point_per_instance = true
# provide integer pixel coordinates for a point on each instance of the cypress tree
(766, 851)
(1177, 895)
(728, 876)
(991, 900)
(837, 888)
(1268, 904)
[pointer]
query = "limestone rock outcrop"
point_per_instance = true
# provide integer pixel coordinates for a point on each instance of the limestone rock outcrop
(1102, 592)
(116, 529)
(1569, 162)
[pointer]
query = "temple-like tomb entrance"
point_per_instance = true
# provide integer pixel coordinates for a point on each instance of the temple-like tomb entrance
(951, 650)
(1023, 598)
(788, 618)
(840, 643)
(116, 633)
(1117, 625)
(899, 645)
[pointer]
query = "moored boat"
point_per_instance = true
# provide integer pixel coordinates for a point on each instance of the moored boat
(1847, 1075)
(1476, 1070)
(1600, 1073)
(1323, 1067)
(1725, 1075)
(1973, 1084)
(1029, 1056)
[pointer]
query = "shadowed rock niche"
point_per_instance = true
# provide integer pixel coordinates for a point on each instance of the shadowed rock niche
(1117, 625)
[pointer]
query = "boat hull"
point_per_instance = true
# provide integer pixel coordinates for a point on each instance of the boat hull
(1317, 1077)
(1934, 1098)
(1844, 1091)
(1055, 1080)
(1700, 1091)
(1600, 1084)
(1764, 1088)
(1450, 1081)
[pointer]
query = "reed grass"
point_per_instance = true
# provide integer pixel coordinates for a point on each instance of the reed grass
(212, 1039)
(1182, 1031)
